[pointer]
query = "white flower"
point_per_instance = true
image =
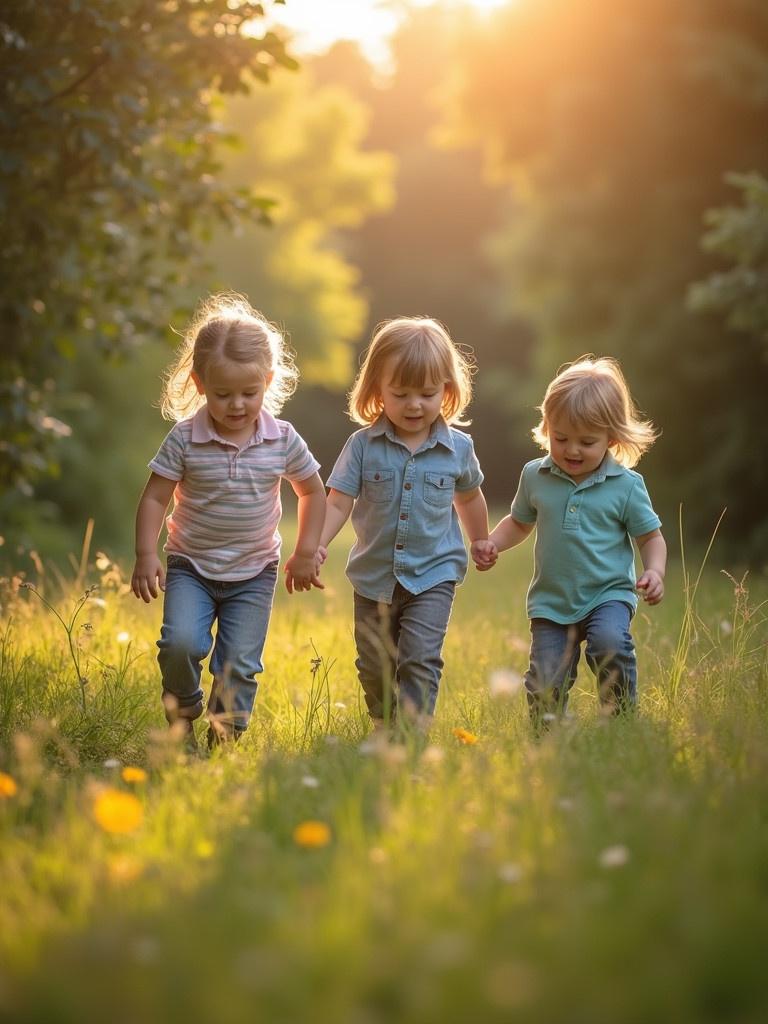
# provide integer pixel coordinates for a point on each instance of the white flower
(123, 637)
(614, 856)
(505, 682)
(310, 781)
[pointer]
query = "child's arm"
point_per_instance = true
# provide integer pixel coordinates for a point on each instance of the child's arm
(653, 552)
(506, 534)
(301, 569)
(338, 509)
(473, 512)
(148, 571)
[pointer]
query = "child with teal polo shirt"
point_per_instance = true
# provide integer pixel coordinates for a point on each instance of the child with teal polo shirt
(588, 506)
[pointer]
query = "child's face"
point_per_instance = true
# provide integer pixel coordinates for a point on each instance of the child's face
(234, 393)
(412, 411)
(576, 448)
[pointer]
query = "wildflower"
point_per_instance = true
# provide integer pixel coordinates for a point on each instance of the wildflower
(614, 856)
(433, 755)
(465, 737)
(339, 704)
(204, 849)
(312, 834)
(310, 781)
(112, 762)
(131, 774)
(505, 682)
(510, 873)
(124, 869)
(123, 637)
(8, 787)
(117, 812)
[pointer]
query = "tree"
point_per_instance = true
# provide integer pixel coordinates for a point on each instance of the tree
(109, 176)
(615, 124)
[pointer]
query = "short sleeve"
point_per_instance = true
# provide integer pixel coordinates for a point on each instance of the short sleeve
(471, 475)
(170, 459)
(522, 508)
(639, 514)
(346, 475)
(300, 463)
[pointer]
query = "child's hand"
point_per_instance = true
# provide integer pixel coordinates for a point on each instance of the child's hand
(651, 586)
(148, 574)
(484, 554)
(321, 555)
(302, 572)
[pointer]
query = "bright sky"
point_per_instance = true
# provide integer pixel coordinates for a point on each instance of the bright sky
(315, 24)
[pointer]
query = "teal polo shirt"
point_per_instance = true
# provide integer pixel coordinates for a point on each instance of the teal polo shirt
(583, 554)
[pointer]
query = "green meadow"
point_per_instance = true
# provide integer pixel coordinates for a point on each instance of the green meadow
(616, 870)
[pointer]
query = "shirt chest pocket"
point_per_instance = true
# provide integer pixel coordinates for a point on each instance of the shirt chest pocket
(438, 489)
(378, 485)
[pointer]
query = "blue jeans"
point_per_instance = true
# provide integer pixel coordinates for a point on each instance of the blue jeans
(555, 650)
(241, 609)
(399, 647)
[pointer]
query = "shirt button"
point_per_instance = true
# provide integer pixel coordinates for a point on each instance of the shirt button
(407, 487)
(399, 547)
(572, 508)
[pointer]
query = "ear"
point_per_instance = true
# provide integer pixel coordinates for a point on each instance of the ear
(198, 383)
(268, 380)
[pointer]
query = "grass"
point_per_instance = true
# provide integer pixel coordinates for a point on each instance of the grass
(615, 871)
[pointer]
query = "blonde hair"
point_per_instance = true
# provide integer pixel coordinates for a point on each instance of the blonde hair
(423, 350)
(226, 327)
(593, 392)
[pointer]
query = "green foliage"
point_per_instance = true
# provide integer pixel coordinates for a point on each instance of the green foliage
(109, 175)
(614, 125)
(739, 234)
(626, 859)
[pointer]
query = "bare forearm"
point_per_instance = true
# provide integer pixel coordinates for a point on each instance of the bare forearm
(311, 513)
(509, 533)
(653, 554)
(149, 522)
(337, 511)
(474, 516)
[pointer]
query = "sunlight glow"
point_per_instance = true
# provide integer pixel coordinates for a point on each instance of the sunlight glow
(316, 24)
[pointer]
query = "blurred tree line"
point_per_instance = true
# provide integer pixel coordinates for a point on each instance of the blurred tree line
(539, 180)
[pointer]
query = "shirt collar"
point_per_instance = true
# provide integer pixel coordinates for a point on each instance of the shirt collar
(439, 433)
(203, 430)
(608, 467)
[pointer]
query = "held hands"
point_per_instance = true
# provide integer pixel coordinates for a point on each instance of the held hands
(148, 575)
(484, 554)
(302, 572)
(651, 586)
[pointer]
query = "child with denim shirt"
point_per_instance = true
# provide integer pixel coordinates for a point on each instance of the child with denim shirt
(407, 479)
(587, 505)
(222, 463)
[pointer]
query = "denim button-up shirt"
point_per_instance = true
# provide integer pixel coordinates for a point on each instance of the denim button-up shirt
(406, 526)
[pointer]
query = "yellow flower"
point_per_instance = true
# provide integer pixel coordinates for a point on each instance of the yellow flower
(465, 737)
(8, 787)
(117, 812)
(131, 774)
(312, 834)
(204, 849)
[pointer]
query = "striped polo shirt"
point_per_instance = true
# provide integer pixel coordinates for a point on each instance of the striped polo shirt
(226, 506)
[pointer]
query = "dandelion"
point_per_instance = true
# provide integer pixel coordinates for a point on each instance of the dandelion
(117, 812)
(613, 857)
(131, 774)
(310, 781)
(312, 835)
(505, 682)
(204, 849)
(123, 637)
(465, 737)
(8, 787)
(111, 763)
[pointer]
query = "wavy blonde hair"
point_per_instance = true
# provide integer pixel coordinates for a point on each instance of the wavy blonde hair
(424, 351)
(226, 327)
(593, 392)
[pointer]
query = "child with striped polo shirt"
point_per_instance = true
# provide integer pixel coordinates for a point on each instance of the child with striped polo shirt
(222, 463)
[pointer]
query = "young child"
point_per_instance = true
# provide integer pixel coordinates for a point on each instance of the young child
(403, 478)
(587, 506)
(222, 463)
